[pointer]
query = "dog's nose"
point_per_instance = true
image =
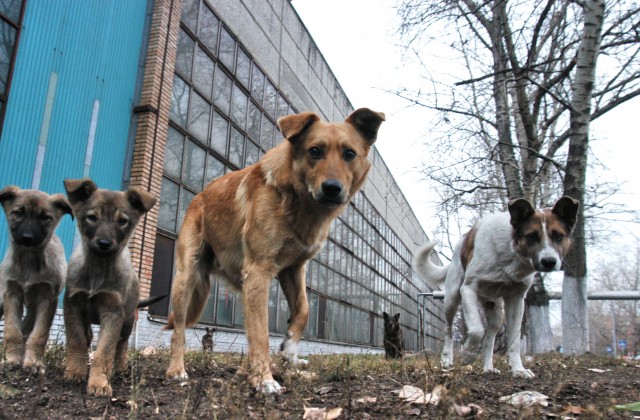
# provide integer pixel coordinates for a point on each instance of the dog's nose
(548, 263)
(27, 238)
(332, 188)
(104, 244)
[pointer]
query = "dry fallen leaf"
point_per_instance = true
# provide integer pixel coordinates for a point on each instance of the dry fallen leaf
(415, 395)
(367, 400)
(573, 409)
(596, 370)
(314, 413)
(325, 390)
(465, 410)
(526, 398)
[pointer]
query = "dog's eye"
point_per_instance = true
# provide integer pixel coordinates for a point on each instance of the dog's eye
(349, 155)
(122, 221)
(18, 212)
(532, 238)
(91, 218)
(315, 153)
(45, 217)
(557, 236)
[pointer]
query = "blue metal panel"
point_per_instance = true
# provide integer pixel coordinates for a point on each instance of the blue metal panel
(77, 63)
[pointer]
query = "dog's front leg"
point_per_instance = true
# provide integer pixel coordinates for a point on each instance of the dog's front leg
(77, 337)
(13, 339)
(473, 319)
(255, 293)
(43, 300)
(493, 311)
(293, 285)
(514, 310)
(111, 319)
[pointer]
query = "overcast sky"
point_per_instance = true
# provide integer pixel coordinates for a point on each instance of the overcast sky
(357, 38)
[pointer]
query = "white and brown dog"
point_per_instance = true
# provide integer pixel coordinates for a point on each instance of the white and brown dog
(491, 270)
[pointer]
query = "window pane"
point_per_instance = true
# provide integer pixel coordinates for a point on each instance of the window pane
(208, 29)
(236, 147)
(190, 13)
(194, 166)
(173, 153)
(283, 314)
(11, 9)
(238, 313)
(208, 314)
(179, 101)
(243, 68)
(257, 84)
(203, 73)
(184, 55)
(253, 153)
(219, 134)
(273, 305)
(253, 121)
(168, 205)
(7, 43)
(199, 115)
(227, 52)
(226, 299)
(185, 200)
(222, 90)
(283, 107)
(266, 137)
(270, 98)
(239, 107)
(312, 325)
(215, 169)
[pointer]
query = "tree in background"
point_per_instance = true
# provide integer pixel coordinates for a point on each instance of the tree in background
(515, 84)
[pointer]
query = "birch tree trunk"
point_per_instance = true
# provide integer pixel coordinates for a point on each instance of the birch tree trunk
(575, 320)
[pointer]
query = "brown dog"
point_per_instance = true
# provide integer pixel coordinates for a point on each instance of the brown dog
(102, 287)
(207, 340)
(32, 273)
(268, 220)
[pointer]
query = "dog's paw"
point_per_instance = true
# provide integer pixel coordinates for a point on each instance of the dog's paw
(177, 374)
(75, 375)
(99, 386)
(289, 350)
(14, 359)
(491, 371)
(523, 373)
(33, 365)
(270, 387)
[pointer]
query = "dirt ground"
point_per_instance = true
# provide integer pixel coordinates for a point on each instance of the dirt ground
(359, 387)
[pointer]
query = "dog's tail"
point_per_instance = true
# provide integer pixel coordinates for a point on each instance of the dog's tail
(433, 274)
(153, 299)
(199, 297)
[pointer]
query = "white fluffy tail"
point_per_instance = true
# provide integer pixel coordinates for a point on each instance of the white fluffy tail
(433, 274)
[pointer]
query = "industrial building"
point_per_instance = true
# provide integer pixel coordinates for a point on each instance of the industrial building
(166, 95)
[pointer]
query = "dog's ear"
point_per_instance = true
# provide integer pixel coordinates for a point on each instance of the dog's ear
(397, 316)
(566, 208)
(385, 315)
(8, 194)
(293, 126)
(140, 200)
(79, 190)
(367, 122)
(520, 210)
(60, 202)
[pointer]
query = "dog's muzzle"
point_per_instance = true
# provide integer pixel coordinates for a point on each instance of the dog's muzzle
(331, 193)
(104, 247)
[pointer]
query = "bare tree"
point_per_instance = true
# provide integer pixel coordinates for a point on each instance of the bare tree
(515, 84)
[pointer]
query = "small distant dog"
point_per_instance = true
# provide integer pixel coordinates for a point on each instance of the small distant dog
(491, 270)
(268, 220)
(102, 287)
(207, 340)
(393, 341)
(31, 274)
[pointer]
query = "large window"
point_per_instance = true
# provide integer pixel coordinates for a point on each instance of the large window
(11, 12)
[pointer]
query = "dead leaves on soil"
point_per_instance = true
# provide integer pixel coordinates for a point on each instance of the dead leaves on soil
(415, 395)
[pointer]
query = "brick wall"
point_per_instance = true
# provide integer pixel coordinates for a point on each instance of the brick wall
(152, 120)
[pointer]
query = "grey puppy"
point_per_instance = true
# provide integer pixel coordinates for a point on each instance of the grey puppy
(31, 274)
(102, 287)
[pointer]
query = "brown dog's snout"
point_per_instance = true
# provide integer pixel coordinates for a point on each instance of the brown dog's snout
(104, 244)
(332, 188)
